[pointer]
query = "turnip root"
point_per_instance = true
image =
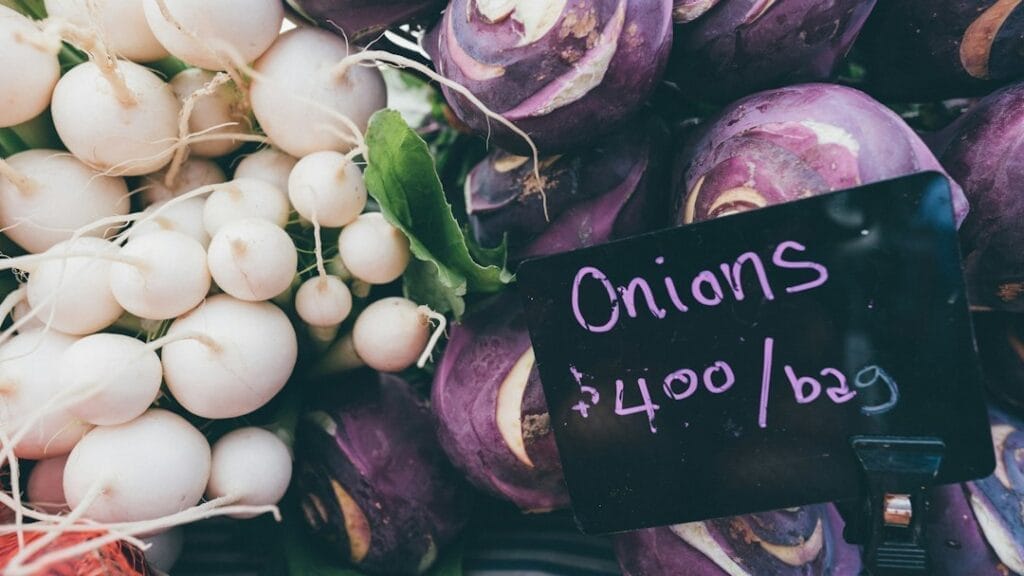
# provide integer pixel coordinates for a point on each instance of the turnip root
(28, 65)
(327, 187)
(244, 198)
(323, 301)
(128, 131)
(193, 173)
(252, 259)
(73, 295)
(252, 465)
(30, 389)
(302, 104)
(163, 275)
(217, 108)
(267, 164)
(373, 250)
(40, 180)
(211, 34)
(391, 333)
(45, 488)
(185, 217)
(121, 24)
(112, 378)
(232, 358)
(124, 464)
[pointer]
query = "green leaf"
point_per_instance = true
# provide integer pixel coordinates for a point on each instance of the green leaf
(402, 178)
(422, 284)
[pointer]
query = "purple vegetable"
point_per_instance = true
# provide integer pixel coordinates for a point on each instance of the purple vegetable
(983, 151)
(742, 46)
(1000, 339)
(492, 417)
(800, 542)
(928, 49)
(795, 142)
(977, 528)
(564, 71)
(684, 11)
(361, 20)
(607, 192)
(374, 481)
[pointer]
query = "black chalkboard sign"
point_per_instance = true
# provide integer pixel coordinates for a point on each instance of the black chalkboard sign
(722, 368)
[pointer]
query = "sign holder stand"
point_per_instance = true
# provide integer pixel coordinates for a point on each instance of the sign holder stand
(889, 522)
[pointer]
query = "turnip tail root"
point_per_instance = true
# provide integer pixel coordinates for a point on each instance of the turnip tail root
(17, 296)
(383, 57)
(181, 154)
(439, 331)
(23, 183)
(355, 135)
(16, 563)
(226, 62)
(90, 43)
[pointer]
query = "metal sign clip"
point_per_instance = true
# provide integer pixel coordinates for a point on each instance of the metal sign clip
(889, 523)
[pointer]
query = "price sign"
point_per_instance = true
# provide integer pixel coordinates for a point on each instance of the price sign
(722, 368)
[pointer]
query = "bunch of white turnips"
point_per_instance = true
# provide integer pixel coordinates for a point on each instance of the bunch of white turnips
(207, 265)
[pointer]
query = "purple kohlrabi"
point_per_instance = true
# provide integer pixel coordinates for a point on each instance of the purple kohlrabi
(363, 20)
(931, 49)
(978, 528)
(615, 189)
(1000, 337)
(984, 151)
(565, 71)
(491, 413)
(373, 480)
(684, 11)
(741, 46)
(791, 143)
(798, 542)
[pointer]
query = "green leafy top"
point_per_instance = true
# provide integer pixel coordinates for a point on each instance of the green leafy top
(401, 177)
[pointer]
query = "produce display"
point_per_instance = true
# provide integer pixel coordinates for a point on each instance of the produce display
(259, 256)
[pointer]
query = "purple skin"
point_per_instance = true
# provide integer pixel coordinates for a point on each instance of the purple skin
(932, 49)
(743, 46)
(749, 545)
(791, 143)
(566, 79)
(481, 353)
(977, 528)
(984, 151)
(603, 193)
(374, 439)
(362, 20)
(1000, 339)
(684, 11)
